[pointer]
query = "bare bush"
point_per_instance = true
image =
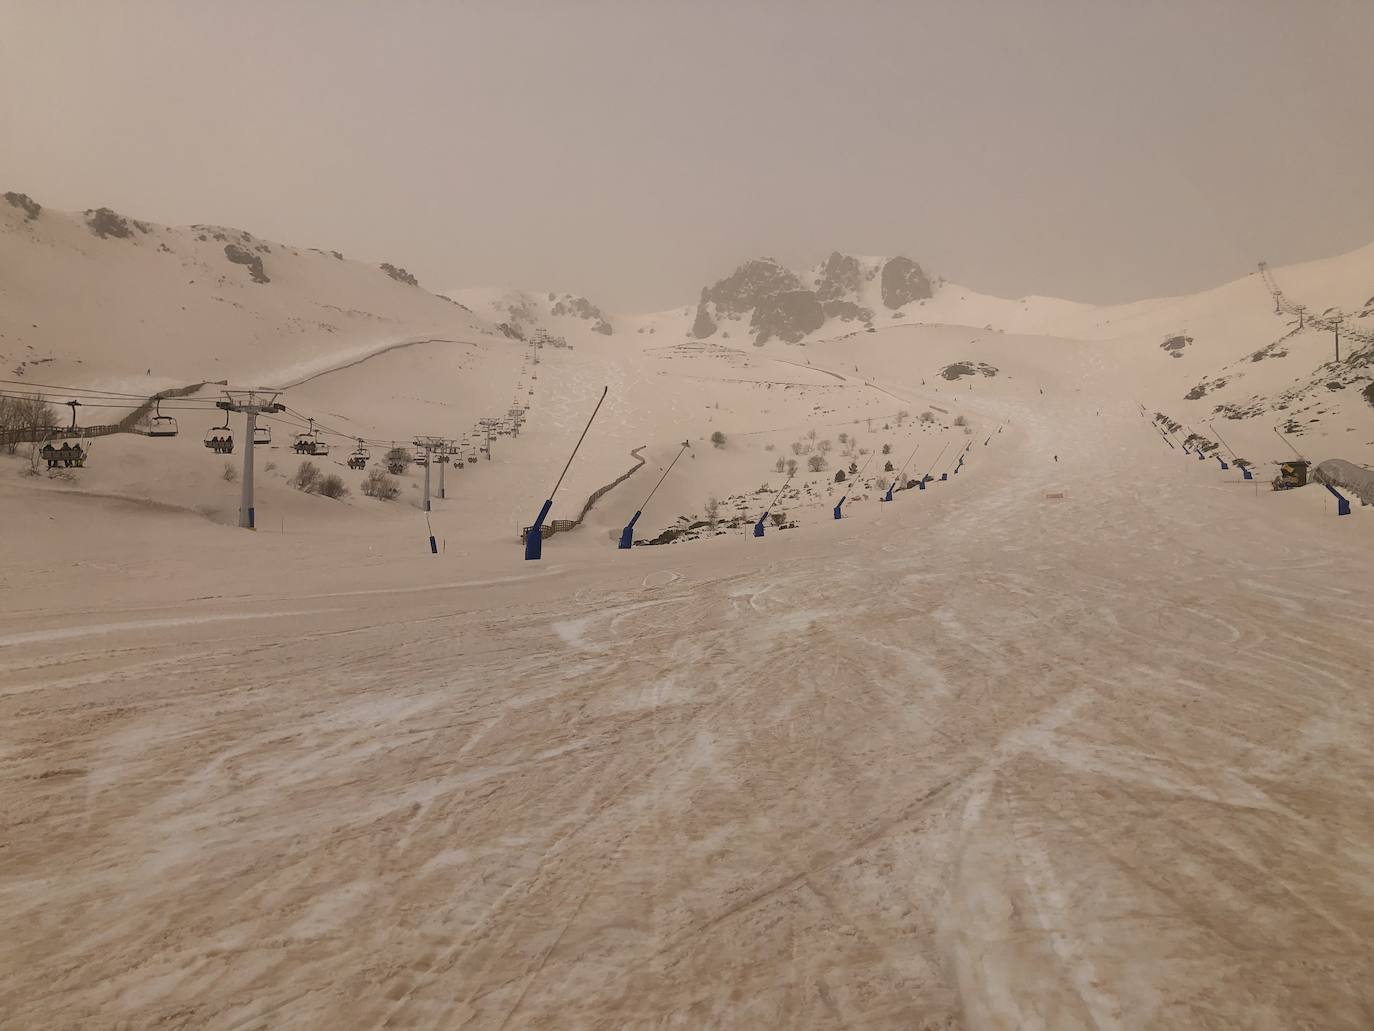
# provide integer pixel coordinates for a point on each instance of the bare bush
(306, 477)
(780, 464)
(332, 486)
(712, 510)
(378, 484)
(791, 468)
(23, 419)
(927, 416)
(718, 439)
(960, 420)
(815, 463)
(230, 473)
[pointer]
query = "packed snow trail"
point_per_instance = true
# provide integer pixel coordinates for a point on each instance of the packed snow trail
(990, 759)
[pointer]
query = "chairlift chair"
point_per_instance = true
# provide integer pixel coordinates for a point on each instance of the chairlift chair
(220, 439)
(319, 448)
(161, 425)
(262, 434)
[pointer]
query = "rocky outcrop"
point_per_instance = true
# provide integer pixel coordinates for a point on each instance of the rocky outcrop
(846, 310)
(240, 256)
(788, 315)
(581, 308)
(749, 285)
(399, 274)
(24, 202)
(904, 282)
(703, 326)
(841, 277)
(958, 370)
(105, 223)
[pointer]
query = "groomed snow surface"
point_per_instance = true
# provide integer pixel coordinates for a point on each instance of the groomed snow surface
(978, 758)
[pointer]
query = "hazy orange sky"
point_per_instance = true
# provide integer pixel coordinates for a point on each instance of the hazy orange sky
(1102, 150)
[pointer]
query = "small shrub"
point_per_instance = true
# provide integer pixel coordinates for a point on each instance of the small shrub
(712, 510)
(718, 439)
(887, 449)
(853, 468)
(230, 474)
(815, 463)
(306, 477)
(927, 416)
(378, 484)
(888, 467)
(332, 486)
(839, 476)
(959, 420)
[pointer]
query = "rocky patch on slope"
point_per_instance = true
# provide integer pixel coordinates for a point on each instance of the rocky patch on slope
(581, 308)
(240, 256)
(780, 306)
(903, 282)
(958, 370)
(25, 203)
(399, 274)
(789, 315)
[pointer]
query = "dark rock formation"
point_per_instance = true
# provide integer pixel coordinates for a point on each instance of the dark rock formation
(1175, 345)
(904, 282)
(106, 223)
(704, 325)
(841, 277)
(30, 206)
(788, 315)
(399, 274)
(580, 307)
(744, 289)
(240, 256)
(968, 368)
(846, 310)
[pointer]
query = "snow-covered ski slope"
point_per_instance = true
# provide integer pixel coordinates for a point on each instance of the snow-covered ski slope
(980, 757)
(1076, 738)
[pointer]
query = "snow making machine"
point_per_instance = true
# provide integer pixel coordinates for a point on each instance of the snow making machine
(1292, 474)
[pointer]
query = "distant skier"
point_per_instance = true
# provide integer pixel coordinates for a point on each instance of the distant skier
(1056, 458)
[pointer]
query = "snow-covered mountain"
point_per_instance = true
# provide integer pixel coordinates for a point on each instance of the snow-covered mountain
(100, 294)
